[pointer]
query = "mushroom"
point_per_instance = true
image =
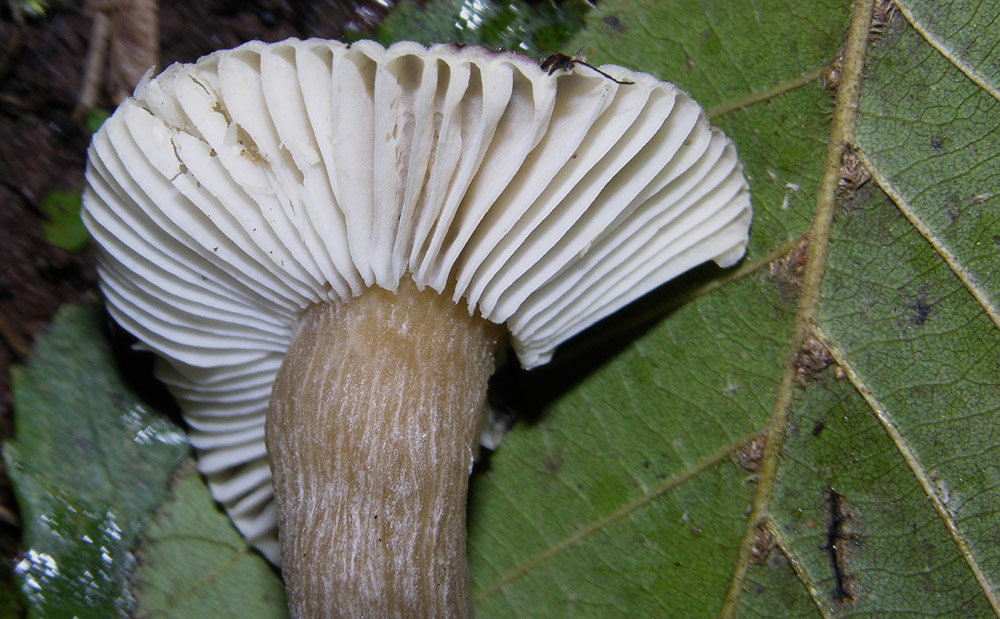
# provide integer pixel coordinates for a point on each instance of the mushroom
(327, 244)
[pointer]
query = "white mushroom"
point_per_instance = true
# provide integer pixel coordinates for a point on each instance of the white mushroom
(350, 232)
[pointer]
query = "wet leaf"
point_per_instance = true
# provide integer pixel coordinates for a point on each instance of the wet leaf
(536, 29)
(89, 462)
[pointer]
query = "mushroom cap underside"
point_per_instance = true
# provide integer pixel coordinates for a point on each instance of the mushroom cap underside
(228, 195)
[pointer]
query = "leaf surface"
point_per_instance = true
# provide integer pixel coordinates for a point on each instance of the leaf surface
(89, 461)
(881, 494)
(814, 433)
(193, 563)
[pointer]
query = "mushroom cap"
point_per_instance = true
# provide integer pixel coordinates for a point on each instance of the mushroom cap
(228, 195)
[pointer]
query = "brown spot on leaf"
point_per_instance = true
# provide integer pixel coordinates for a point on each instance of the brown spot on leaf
(811, 359)
(615, 24)
(853, 174)
(787, 272)
(919, 309)
(750, 455)
(818, 427)
(763, 544)
(882, 14)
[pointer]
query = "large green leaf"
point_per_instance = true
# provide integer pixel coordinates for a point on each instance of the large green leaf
(879, 488)
(814, 433)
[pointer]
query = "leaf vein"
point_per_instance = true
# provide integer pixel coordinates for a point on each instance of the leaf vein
(598, 525)
(916, 467)
(800, 571)
(841, 134)
(968, 70)
(964, 276)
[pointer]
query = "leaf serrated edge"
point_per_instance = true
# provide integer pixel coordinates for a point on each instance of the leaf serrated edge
(841, 134)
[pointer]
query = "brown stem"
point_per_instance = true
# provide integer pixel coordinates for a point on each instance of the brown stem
(374, 419)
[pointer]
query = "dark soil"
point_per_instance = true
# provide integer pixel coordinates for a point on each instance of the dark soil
(43, 148)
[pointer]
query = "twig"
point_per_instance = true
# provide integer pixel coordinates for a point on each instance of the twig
(93, 72)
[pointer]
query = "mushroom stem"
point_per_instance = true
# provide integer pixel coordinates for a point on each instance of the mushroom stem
(374, 419)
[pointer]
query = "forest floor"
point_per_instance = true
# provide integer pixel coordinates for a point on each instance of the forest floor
(43, 146)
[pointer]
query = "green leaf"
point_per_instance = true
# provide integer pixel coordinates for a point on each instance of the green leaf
(35, 8)
(536, 29)
(95, 118)
(623, 496)
(879, 487)
(193, 563)
(814, 433)
(89, 462)
(64, 228)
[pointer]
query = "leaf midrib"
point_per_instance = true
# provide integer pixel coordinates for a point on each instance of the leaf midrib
(841, 134)
(745, 270)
